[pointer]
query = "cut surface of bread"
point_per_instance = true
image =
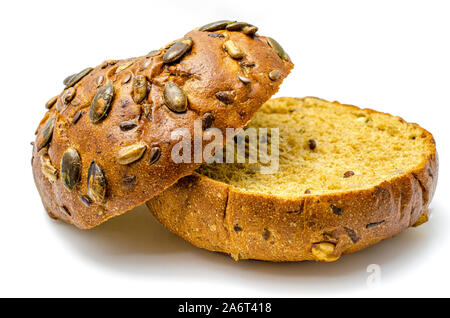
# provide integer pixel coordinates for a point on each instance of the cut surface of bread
(347, 178)
(327, 148)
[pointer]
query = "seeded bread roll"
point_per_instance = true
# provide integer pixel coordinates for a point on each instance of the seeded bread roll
(104, 146)
(347, 179)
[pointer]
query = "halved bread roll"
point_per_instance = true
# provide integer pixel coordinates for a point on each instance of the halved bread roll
(347, 179)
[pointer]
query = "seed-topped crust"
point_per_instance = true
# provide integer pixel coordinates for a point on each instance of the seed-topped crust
(199, 66)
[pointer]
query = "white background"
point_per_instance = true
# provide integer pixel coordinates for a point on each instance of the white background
(389, 55)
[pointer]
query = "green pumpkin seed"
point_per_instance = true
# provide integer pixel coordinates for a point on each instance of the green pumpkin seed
(124, 66)
(249, 30)
(70, 168)
(275, 75)
(155, 154)
(244, 27)
(101, 103)
(140, 88)
(177, 50)
(96, 184)
(46, 133)
(68, 95)
(51, 102)
(174, 98)
(233, 50)
(277, 48)
(130, 154)
(75, 78)
(215, 26)
(47, 168)
(226, 97)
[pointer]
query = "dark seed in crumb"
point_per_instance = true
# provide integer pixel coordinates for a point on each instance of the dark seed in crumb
(307, 191)
(368, 226)
(266, 234)
(312, 144)
(77, 117)
(226, 97)
(129, 179)
(127, 125)
(247, 64)
(66, 210)
(336, 210)
(86, 200)
(237, 228)
(352, 234)
(207, 120)
(348, 174)
(155, 153)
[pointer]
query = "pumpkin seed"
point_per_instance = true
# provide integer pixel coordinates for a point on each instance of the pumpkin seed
(51, 102)
(277, 48)
(207, 120)
(127, 125)
(140, 88)
(100, 80)
(77, 117)
(215, 26)
(155, 154)
(70, 168)
(130, 154)
(101, 103)
(85, 200)
(233, 50)
(174, 98)
(75, 78)
(47, 168)
(96, 184)
(124, 66)
(126, 79)
(226, 97)
(68, 95)
(244, 79)
(46, 133)
(177, 50)
(275, 75)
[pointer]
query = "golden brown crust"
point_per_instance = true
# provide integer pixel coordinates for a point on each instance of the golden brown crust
(217, 217)
(202, 72)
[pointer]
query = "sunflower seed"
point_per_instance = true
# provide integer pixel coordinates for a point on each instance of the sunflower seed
(127, 125)
(130, 154)
(68, 95)
(249, 30)
(226, 97)
(126, 79)
(96, 184)
(177, 50)
(155, 153)
(107, 63)
(236, 26)
(174, 98)
(217, 35)
(277, 48)
(101, 103)
(100, 80)
(275, 75)
(70, 168)
(46, 133)
(85, 200)
(51, 102)
(207, 120)
(47, 168)
(75, 78)
(244, 79)
(124, 66)
(77, 117)
(215, 26)
(140, 88)
(153, 53)
(233, 50)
